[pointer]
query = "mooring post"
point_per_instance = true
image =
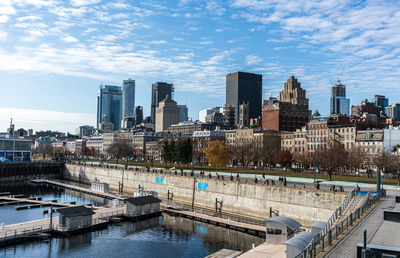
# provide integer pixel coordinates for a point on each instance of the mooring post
(51, 217)
(194, 189)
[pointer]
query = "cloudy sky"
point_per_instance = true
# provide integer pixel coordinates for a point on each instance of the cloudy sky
(55, 53)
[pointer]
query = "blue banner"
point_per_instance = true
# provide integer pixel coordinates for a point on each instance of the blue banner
(202, 186)
(159, 180)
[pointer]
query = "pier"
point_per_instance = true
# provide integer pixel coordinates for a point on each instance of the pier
(227, 223)
(79, 189)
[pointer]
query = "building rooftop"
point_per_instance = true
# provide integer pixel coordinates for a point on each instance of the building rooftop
(300, 241)
(290, 223)
(75, 211)
(143, 200)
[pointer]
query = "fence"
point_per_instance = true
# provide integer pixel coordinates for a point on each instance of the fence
(225, 215)
(326, 238)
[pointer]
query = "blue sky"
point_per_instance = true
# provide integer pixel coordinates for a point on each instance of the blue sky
(55, 53)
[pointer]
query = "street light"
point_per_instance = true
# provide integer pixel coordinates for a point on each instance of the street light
(357, 179)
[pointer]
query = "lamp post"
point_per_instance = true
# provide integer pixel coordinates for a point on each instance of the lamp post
(357, 179)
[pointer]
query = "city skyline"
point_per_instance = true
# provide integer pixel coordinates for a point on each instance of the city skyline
(56, 53)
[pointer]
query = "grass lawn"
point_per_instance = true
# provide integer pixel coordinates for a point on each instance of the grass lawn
(321, 175)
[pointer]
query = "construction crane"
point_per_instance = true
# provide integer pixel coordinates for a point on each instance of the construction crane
(341, 74)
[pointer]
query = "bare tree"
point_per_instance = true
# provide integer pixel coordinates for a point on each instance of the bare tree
(302, 159)
(357, 158)
(119, 150)
(332, 158)
(241, 153)
(271, 148)
(44, 149)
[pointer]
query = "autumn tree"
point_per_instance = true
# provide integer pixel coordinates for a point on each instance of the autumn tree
(217, 154)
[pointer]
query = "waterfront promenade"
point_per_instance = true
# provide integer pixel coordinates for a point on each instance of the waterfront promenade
(379, 232)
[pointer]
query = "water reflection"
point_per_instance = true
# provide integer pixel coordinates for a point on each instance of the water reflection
(166, 236)
(9, 215)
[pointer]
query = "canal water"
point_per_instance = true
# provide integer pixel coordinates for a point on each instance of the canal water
(165, 236)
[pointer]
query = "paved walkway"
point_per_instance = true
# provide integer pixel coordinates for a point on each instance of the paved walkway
(266, 251)
(376, 231)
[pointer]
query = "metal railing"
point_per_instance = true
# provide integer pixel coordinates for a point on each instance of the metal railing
(325, 239)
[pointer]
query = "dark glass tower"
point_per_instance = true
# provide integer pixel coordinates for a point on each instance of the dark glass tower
(244, 88)
(159, 91)
(338, 100)
(109, 102)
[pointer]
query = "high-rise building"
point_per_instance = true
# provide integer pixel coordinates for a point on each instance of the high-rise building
(382, 102)
(109, 101)
(138, 114)
(128, 97)
(159, 91)
(208, 111)
(340, 105)
(290, 112)
(183, 113)
(393, 111)
(244, 120)
(243, 88)
(84, 131)
(167, 114)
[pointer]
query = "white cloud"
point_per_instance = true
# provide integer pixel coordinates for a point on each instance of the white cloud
(158, 42)
(69, 39)
(84, 2)
(215, 7)
(3, 18)
(253, 60)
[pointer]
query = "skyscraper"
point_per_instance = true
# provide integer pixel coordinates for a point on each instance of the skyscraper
(382, 102)
(167, 114)
(340, 105)
(183, 113)
(290, 112)
(138, 115)
(109, 100)
(128, 98)
(393, 111)
(244, 88)
(159, 91)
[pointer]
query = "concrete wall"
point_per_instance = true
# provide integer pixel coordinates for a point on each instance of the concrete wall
(255, 200)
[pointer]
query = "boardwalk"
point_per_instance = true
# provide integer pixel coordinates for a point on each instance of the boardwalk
(379, 232)
(240, 226)
(79, 189)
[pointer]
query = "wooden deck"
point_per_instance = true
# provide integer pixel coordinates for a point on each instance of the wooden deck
(36, 203)
(79, 189)
(231, 224)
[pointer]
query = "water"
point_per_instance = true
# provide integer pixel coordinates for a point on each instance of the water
(9, 215)
(166, 236)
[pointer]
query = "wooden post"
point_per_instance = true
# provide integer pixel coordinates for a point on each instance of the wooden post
(194, 189)
(51, 217)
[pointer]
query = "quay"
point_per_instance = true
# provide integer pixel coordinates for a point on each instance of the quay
(33, 203)
(255, 230)
(79, 189)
